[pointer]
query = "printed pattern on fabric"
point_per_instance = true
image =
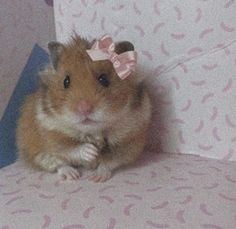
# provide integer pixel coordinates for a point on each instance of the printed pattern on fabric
(187, 51)
(160, 191)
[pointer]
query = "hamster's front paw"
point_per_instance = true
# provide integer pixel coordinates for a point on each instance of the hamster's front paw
(68, 173)
(102, 174)
(88, 152)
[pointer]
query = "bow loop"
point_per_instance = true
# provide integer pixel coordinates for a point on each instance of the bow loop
(105, 43)
(103, 49)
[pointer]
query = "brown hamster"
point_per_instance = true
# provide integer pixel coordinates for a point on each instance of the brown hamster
(83, 114)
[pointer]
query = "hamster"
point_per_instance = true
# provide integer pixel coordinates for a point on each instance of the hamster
(83, 114)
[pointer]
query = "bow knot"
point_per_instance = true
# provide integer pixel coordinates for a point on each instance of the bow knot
(104, 49)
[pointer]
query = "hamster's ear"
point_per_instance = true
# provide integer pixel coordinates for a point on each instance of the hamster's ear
(55, 49)
(123, 46)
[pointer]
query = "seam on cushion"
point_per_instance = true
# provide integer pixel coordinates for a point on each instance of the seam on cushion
(176, 61)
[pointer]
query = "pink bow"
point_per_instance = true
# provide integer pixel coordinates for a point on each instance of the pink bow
(103, 49)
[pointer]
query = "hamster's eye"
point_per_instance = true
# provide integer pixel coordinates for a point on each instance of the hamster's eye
(67, 81)
(103, 80)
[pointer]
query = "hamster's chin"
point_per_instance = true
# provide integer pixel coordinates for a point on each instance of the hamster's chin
(89, 124)
(89, 128)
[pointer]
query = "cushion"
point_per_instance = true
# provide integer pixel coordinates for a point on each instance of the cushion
(27, 83)
(187, 53)
(160, 191)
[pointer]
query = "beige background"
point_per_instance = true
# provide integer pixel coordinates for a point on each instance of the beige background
(22, 24)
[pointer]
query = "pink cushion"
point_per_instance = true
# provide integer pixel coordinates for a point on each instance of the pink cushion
(160, 191)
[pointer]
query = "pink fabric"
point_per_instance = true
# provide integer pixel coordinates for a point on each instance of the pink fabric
(187, 51)
(104, 49)
(160, 191)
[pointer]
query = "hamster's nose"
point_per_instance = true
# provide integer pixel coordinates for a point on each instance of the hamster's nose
(85, 108)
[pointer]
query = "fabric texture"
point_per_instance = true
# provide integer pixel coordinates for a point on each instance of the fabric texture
(164, 191)
(27, 83)
(187, 53)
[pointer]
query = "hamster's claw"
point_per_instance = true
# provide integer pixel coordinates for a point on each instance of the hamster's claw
(68, 173)
(102, 174)
(88, 152)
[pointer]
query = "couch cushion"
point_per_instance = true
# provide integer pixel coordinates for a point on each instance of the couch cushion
(187, 50)
(160, 191)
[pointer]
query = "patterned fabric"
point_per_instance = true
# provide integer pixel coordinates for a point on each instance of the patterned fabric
(187, 50)
(160, 191)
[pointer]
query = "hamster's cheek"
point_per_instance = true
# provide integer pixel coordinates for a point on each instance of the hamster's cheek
(117, 101)
(107, 115)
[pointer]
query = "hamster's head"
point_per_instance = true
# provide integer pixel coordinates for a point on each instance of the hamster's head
(80, 92)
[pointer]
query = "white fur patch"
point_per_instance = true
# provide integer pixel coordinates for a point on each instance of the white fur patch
(48, 162)
(65, 123)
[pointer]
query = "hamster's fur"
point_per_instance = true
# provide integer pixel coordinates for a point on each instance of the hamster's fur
(83, 114)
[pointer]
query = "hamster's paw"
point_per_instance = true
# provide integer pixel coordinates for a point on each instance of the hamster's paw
(88, 152)
(68, 173)
(102, 174)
